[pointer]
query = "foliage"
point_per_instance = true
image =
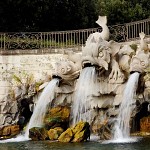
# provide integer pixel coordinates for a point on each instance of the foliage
(17, 79)
(134, 47)
(52, 15)
(123, 11)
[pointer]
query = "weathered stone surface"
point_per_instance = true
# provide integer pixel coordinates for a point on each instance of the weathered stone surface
(9, 131)
(57, 117)
(79, 136)
(104, 131)
(55, 133)
(66, 136)
(52, 134)
(37, 133)
(79, 133)
(145, 124)
(69, 70)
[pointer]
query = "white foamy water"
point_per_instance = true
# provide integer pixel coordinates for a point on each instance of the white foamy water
(40, 109)
(122, 140)
(122, 125)
(19, 138)
(86, 86)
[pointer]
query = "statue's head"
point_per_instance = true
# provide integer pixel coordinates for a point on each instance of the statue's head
(139, 62)
(66, 70)
(96, 53)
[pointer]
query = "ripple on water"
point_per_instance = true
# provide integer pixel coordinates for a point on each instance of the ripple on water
(122, 140)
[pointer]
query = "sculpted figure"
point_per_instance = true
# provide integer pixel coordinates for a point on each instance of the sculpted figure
(68, 69)
(143, 44)
(103, 54)
(140, 62)
(98, 51)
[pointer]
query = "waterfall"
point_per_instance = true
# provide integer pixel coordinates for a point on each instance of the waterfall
(122, 125)
(41, 107)
(86, 86)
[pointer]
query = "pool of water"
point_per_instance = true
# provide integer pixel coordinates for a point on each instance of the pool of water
(142, 144)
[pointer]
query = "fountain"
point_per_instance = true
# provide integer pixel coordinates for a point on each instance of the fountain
(83, 93)
(39, 112)
(98, 85)
(122, 125)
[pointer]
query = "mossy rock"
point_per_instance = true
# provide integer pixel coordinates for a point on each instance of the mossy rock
(80, 126)
(38, 133)
(55, 133)
(59, 130)
(9, 131)
(81, 132)
(57, 117)
(79, 136)
(66, 136)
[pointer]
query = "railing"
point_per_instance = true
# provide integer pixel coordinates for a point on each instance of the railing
(66, 39)
(133, 29)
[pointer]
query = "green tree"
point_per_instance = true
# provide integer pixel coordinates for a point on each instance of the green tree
(123, 11)
(52, 15)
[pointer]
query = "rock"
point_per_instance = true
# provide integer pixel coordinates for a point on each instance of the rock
(66, 136)
(59, 130)
(81, 132)
(38, 133)
(79, 137)
(52, 134)
(57, 117)
(9, 131)
(104, 130)
(55, 133)
(145, 124)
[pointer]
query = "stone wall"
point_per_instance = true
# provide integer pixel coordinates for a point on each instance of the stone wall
(20, 65)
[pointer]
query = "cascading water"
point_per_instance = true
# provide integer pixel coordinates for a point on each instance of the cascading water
(122, 125)
(40, 109)
(86, 86)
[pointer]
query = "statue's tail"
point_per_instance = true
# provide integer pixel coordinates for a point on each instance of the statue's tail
(102, 20)
(142, 35)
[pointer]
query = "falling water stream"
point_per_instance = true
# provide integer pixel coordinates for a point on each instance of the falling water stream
(40, 109)
(86, 86)
(122, 125)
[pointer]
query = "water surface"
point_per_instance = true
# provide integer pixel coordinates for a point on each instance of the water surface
(142, 144)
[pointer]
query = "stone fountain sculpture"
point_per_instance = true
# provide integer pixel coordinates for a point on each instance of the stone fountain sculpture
(113, 62)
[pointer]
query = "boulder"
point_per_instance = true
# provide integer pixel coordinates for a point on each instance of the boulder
(9, 131)
(104, 130)
(38, 133)
(57, 117)
(66, 136)
(53, 134)
(79, 133)
(79, 137)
